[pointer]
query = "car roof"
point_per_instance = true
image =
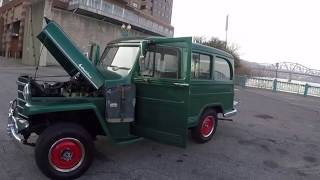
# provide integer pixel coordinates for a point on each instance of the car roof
(211, 50)
(195, 46)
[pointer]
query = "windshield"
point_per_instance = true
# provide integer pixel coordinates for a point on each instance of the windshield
(119, 57)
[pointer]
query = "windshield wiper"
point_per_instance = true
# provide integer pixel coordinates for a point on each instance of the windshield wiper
(115, 68)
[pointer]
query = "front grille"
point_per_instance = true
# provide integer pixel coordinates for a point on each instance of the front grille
(21, 82)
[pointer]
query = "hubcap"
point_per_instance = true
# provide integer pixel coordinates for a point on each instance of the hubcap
(207, 126)
(66, 154)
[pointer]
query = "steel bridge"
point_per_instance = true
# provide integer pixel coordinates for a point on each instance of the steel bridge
(287, 70)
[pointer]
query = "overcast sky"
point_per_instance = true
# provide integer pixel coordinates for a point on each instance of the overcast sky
(267, 31)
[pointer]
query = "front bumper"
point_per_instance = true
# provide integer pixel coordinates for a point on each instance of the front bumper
(15, 123)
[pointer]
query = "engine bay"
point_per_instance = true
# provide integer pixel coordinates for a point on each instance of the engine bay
(77, 86)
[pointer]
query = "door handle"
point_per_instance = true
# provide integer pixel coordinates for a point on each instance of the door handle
(146, 80)
(181, 84)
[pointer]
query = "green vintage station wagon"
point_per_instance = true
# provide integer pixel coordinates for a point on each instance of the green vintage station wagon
(157, 88)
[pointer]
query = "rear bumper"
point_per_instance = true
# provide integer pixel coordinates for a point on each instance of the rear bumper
(233, 112)
(230, 113)
(15, 123)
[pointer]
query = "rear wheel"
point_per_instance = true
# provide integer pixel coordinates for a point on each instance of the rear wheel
(206, 127)
(64, 151)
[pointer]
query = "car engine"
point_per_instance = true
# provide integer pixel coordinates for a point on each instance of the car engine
(77, 86)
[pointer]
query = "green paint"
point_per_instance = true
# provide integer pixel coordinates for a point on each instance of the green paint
(62, 48)
(165, 107)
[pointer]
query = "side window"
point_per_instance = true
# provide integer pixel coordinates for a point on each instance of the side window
(201, 66)
(221, 69)
(161, 62)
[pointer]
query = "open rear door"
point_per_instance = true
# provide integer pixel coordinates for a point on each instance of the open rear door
(162, 92)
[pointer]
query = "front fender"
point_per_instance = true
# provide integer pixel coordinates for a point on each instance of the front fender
(36, 108)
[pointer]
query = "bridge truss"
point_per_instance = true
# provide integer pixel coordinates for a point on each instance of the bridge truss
(287, 70)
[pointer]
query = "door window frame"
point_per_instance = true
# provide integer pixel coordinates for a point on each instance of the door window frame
(181, 60)
(211, 65)
(230, 69)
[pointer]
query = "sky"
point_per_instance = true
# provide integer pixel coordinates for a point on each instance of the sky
(266, 31)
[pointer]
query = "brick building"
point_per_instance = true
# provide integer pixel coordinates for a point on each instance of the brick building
(160, 9)
(12, 21)
(86, 21)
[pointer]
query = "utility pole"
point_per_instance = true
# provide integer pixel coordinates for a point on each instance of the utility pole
(227, 26)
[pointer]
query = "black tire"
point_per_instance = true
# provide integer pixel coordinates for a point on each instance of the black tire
(198, 134)
(79, 157)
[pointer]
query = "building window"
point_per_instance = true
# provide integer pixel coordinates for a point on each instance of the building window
(201, 66)
(221, 69)
(161, 62)
(16, 28)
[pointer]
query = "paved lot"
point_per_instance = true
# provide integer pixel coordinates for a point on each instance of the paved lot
(274, 136)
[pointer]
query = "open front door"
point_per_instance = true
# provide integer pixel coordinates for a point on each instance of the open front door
(162, 92)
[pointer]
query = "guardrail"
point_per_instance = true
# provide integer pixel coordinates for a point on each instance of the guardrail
(276, 85)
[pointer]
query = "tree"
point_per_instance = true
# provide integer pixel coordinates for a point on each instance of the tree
(231, 49)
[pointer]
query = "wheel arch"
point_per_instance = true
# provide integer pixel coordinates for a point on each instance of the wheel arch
(193, 121)
(215, 106)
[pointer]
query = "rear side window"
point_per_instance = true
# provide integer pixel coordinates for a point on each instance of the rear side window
(161, 62)
(221, 69)
(201, 66)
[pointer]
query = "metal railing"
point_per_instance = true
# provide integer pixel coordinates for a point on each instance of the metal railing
(276, 85)
(116, 12)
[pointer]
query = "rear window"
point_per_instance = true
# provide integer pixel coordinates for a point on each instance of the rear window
(221, 69)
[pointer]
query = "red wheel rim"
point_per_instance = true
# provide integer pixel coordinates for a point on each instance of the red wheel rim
(207, 126)
(66, 154)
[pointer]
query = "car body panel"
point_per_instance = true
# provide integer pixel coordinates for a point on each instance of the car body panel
(62, 104)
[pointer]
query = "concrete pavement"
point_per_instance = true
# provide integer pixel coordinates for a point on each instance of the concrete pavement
(274, 136)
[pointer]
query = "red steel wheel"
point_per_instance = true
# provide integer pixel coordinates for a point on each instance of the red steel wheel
(64, 151)
(66, 154)
(207, 126)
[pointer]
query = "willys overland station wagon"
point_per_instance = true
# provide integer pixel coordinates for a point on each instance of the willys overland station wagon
(157, 88)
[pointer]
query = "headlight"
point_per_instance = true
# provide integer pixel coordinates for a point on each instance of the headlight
(27, 92)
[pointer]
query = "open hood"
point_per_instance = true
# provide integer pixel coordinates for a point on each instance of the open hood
(62, 48)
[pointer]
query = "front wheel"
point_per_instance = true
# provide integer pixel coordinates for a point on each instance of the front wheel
(64, 151)
(206, 127)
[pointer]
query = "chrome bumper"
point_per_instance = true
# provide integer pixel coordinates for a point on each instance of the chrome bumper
(233, 112)
(230, 113)
(15, 123)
